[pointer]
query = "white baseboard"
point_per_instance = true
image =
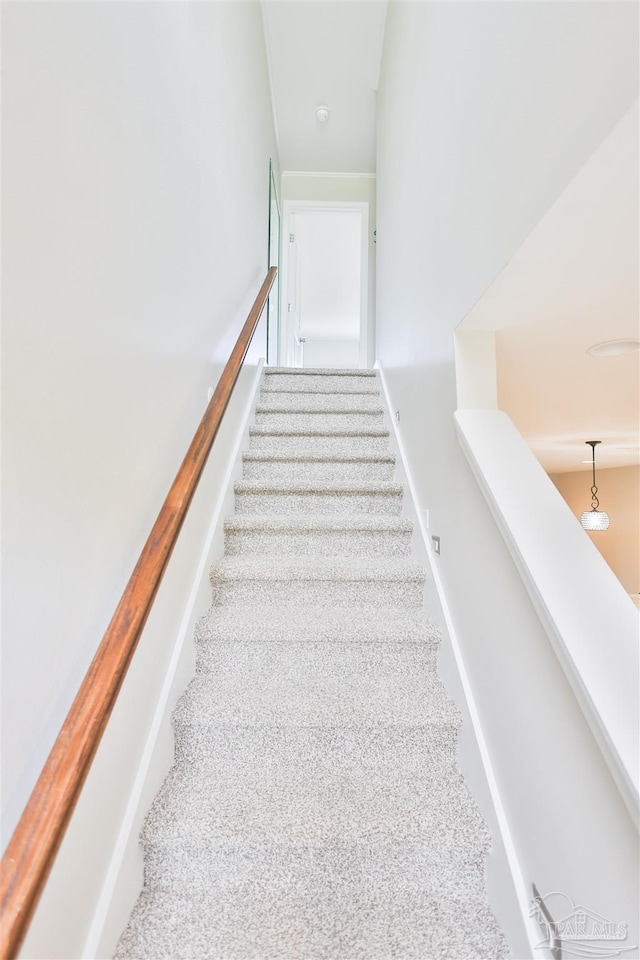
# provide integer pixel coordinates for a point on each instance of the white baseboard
(100, 931)
(522, 893)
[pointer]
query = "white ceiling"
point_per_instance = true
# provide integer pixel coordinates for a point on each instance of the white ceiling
(573, 283)
(325, 53)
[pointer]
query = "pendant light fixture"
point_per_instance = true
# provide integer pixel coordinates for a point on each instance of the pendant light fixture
(594, 519)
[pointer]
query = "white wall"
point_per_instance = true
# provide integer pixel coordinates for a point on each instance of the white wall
(136, 145)
(337, 354)
(301, 186)
(339, 188)
(485, 112)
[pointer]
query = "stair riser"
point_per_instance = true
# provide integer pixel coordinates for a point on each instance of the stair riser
(325, 472)
(184, 867)
(316, 626)
(303, 804)
(315, 922)
(328, 446)
(319, 421)
(321, 684)
(305, 503)
(320, 384)
(362, 543)
(320, 402)
(368, 388)
(406, 750)
(321, 592)
(207, 659)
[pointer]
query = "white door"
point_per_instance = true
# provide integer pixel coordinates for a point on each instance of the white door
(326, 286)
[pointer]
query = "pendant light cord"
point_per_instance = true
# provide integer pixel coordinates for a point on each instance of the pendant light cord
(595, 503)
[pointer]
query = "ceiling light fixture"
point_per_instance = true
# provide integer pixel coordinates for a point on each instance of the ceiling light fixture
(614, 348)
(594, 519)
(322, 113)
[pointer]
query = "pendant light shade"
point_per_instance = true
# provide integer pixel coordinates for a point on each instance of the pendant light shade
(594, 519)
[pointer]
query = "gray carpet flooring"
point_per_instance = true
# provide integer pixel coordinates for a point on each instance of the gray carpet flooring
(315, 808)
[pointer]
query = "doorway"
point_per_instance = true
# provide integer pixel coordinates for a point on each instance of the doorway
(325, 282)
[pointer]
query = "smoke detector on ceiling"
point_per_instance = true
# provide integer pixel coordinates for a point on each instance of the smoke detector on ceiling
(322, 113)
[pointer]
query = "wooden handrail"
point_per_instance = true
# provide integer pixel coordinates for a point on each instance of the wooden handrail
(35, 842)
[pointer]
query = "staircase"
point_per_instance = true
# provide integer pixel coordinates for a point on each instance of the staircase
(315, 808)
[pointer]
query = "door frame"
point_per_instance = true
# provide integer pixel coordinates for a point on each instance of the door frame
(274, 298)
(292, 207)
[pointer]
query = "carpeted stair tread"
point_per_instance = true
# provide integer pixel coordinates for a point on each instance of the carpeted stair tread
(306, 923)
(312, 420)
(317, 684)
(302, 432)
(355, 625)
(309, 534)
(307, 805)
(311, 406)
(234, 588)
(317, 568)
(179, 865)
(319, 372)
(309, 417)
(318, 523)
(285, 456)
(314, 402)
(320, 468)
(324, 496)
(311, 486)
(360, 386)
(301, 818)
(415, 750)
(246, 579)
(331, 487)
(301, 439)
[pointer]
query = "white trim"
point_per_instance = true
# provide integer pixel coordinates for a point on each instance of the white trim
(273, 355)
(317, 175)
(291, 207)
(103, 906)
(519, 883)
